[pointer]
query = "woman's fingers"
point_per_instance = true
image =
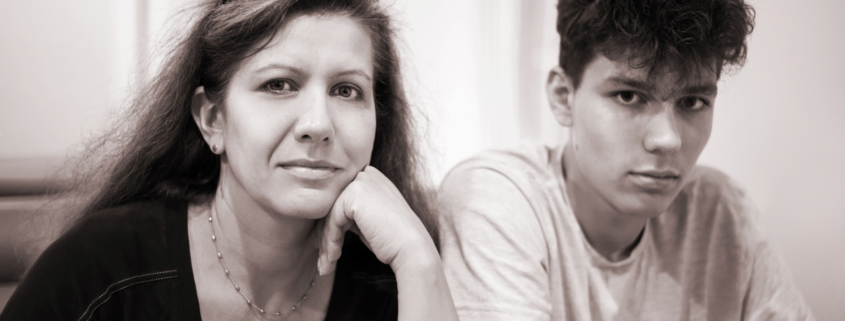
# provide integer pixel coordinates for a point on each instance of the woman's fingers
(374, 209)
(335, 226)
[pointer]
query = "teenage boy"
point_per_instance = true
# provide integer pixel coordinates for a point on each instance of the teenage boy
(618, 224)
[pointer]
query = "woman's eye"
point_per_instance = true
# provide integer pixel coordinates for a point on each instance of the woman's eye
(279, 86)
(692, 103)
(628, 97)
(347, 92)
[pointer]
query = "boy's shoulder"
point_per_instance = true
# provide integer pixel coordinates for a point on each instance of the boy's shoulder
(527, 158)
(712, 204)
(707, 188)
(495, 184)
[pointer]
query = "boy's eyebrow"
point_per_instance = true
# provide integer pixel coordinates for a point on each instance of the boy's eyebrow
(706, 89)
(633, 83)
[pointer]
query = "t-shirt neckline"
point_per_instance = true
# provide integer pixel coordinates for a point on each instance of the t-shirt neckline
(596, 258)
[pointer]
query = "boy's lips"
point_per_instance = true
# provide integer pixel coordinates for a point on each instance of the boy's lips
(658, 173)
(658, 180)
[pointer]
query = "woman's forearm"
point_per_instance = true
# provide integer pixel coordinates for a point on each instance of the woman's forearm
(423, 291)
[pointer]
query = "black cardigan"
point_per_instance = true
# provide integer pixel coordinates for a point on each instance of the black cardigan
(133, 262)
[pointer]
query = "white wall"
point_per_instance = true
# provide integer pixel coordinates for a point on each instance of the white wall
(60, 71)
(477, 79)
(777, 130)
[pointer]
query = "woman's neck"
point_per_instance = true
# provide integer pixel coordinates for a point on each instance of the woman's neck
(271, 260)
(264, 245)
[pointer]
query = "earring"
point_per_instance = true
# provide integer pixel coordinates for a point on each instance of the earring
(214, 148)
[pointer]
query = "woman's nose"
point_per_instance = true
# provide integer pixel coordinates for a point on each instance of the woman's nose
(315, 123)
(662, 135)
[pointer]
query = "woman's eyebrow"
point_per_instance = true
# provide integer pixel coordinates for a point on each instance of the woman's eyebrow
(358, 72)
(292, 69)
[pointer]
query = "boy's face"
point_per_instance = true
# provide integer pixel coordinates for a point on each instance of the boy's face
(633, 141)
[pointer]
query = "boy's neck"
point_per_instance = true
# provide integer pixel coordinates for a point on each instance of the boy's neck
(611, 233)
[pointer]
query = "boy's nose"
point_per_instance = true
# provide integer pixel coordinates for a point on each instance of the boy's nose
(662, 135)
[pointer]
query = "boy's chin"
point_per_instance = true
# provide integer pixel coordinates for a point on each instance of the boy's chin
(646, 206)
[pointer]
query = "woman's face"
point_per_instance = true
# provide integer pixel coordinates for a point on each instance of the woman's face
(299, 118)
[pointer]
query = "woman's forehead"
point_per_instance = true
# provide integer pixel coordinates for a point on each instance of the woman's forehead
(317, 43)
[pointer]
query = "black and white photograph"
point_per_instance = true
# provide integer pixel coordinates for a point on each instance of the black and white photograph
(577, 160)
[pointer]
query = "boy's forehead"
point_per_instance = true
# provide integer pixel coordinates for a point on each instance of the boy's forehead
(664, 80)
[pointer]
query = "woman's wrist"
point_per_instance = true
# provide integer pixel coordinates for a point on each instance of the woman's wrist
(423, 290)
(419, 256)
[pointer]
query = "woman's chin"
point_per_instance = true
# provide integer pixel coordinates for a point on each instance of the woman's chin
(306, 207)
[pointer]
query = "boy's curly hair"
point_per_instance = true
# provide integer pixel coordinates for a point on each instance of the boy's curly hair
(683, 36)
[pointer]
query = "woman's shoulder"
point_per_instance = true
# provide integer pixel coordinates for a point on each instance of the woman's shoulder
(120, 232)
(148, 217)
(103, 253)
(135, 217)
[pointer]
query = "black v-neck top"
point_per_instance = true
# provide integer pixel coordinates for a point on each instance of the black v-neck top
(133, 262)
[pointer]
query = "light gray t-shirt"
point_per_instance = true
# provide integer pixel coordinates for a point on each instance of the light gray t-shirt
(513, 250)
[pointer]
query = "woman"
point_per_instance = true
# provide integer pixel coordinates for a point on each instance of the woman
(270, 115)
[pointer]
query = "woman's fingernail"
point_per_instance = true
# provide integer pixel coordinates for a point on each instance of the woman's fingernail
(320, 265)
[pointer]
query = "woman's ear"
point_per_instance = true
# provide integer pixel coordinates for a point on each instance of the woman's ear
(560, 90)
(207, 115)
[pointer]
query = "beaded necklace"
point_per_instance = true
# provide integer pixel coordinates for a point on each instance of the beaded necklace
(249, 302)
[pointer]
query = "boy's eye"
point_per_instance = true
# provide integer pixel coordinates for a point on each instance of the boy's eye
(692, 103)
(278, 86)
(346, 91)
(628, 97)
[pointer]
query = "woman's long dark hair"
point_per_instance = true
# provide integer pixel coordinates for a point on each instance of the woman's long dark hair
(162, 155)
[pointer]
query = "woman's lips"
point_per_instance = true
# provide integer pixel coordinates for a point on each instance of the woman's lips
(310, 173)
(310, 169)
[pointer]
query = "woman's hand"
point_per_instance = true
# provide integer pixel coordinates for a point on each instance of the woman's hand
(372, 207)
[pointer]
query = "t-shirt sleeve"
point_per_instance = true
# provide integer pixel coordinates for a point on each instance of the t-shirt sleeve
(493, 249)
(771, 293)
